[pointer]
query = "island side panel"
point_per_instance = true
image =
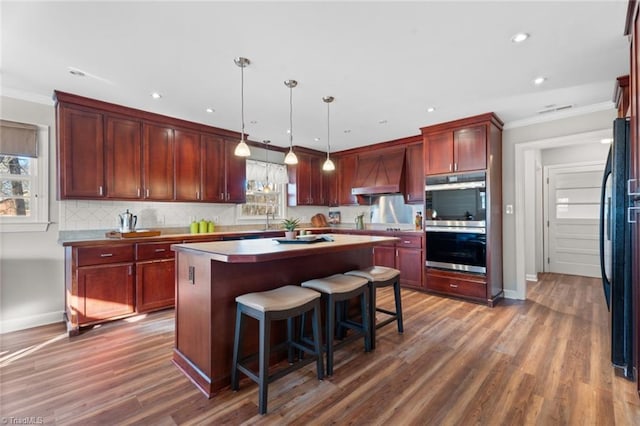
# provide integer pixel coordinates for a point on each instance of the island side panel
(192, 353)
(229, 280)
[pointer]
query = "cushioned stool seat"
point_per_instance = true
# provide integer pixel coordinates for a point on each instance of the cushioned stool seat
(281, 303)
(336, 289)
(381, 276)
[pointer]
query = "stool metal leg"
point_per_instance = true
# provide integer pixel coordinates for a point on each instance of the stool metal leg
(317, 343)
(372, 312)
(237, 350)
(290, 340)
(366, 325)
(265, 332)
(330, 327)
(396, 290)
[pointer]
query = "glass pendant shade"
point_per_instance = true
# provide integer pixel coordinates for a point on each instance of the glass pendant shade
(242, 149)
(290, 158)
(328, 165)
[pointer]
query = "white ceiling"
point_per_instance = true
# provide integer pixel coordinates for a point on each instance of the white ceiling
(384, 62)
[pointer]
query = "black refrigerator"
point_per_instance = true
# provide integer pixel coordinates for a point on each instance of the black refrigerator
(615, 248)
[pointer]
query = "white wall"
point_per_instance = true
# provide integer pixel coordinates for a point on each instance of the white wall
(518, 140)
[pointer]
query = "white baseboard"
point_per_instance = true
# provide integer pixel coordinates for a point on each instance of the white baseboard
(512, 294)
(531, 277)
(15, 324)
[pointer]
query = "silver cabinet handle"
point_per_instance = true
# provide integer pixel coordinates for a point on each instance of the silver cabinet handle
(100, 191)
(138, 192)
(159, 250)
(148, 192)
(453, 285)
(106, 255)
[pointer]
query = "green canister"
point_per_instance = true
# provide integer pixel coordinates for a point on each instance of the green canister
(202, 228)
(211, 226)
(194, 227)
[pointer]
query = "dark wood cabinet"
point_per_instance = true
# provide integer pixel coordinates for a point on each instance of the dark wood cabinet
(158, 162)
(155, 276)
(305, 186)
(414, 174)
(123, 158)
(99, 284)
(120, 153)
(224, 175)
(405, 255)
(330, 187)
(453, 151)
(80, 153)
(188, 171)
(470, 144)
(346, 168)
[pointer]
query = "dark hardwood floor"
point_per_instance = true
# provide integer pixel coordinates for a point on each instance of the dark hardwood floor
(543, 361)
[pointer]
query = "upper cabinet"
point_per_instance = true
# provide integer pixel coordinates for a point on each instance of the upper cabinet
(414, 174)
(306, 178)
(80, 152)
(455, 150)
(123, 157)
(462, 145)
(346, 167)
(110, 151)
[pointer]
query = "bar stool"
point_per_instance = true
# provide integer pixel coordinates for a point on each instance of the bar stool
(336, 289)
(381, 276)
(281, 303)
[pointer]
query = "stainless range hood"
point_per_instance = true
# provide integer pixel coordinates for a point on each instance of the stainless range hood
(380, 173)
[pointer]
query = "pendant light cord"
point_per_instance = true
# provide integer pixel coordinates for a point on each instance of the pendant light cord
(242, 99)
(328, 132)
(290, 118)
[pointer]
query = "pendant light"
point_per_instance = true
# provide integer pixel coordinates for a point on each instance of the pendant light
(328, 164)
(242, 149)
(291, 158)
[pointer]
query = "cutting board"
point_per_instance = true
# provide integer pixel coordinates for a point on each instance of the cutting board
(319, 220)
(135, 234)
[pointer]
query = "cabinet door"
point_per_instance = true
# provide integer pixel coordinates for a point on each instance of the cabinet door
(81, 153)
(470, 149)
(123, 158)
(105, 292)
(330, 187)
(213, 175)
(346, 175)
(303, 180)
(409, 262)
(235, 175)
(158, 162)
(188, 168)
(384, 256)
(155, 285)
(414, 171)
(438, 153)
(315, 181)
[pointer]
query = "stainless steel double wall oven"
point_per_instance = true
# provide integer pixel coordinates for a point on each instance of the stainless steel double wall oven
(455, 222)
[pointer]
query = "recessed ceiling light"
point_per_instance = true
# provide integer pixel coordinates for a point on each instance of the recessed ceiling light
(253, 122)
(606, 141)
(519, 38)
(316, 139)
(348, 131)
(382, 122)
(210, 110)
(539, 80)
(76, 72)
(431, 109)
(156, 95)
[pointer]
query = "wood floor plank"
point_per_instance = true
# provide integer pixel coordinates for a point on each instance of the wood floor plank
(543, 361)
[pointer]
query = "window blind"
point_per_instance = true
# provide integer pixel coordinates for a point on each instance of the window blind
(18, 139)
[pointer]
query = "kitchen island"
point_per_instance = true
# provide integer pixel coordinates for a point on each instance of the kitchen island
(209, 276)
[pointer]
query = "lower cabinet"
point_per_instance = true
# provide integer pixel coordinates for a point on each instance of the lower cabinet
(468, 286)
(406, 256)
(104, 292)
(155, 276)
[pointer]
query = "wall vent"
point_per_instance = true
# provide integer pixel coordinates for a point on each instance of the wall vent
(553, 108)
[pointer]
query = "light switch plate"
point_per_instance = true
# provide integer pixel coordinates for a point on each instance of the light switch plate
(508, 209)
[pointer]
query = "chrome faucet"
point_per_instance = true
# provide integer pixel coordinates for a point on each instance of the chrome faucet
(273, 216)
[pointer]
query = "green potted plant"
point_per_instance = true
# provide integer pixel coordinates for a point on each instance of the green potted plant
(290, 226)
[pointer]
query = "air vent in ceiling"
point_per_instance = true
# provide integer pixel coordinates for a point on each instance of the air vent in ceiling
(553, 108)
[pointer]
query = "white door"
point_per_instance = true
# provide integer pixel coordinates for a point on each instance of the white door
(572, 217)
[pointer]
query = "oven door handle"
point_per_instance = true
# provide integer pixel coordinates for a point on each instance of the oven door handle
(455, 229)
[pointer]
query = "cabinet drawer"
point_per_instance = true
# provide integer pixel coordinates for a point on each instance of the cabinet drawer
(456, 286)
(105, 254)
(412, 241)
(151, 251)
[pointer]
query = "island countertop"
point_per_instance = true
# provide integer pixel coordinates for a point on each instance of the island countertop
(267, 249)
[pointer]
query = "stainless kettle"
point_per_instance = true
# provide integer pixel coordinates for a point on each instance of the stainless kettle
(127, 221)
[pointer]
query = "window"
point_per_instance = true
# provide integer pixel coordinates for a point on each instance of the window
(23, 177)
(266, 191)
